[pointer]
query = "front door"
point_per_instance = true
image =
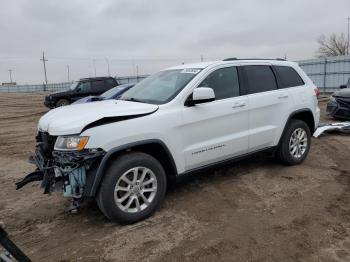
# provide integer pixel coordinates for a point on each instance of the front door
(217, 130)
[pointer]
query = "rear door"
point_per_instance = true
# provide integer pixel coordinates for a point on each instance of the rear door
(97, 87)
(216, 130)
(267, 106)
(109, 83)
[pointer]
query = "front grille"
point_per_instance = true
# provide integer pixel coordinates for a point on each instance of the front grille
(46, 143)
(343, 102)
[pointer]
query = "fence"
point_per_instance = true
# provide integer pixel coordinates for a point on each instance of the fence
(130, 79)
(327, 73)
(60, 86)
(35, 88)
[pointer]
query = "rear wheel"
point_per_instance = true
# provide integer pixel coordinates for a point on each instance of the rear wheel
(295, 143)
(132, 189)
(62, 102)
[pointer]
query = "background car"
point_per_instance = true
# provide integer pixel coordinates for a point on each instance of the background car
(345, 86)
(113, 93)
(339, 104)
(84, 87)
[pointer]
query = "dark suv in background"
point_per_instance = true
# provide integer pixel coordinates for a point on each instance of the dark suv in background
(82, 88)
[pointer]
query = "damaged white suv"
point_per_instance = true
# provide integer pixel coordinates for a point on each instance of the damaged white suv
(175, 122)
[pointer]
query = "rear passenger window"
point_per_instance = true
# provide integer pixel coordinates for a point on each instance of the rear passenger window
(224, 82)
(288, 77)
(260, 78)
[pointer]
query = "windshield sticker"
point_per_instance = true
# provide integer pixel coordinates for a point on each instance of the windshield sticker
(190, 71)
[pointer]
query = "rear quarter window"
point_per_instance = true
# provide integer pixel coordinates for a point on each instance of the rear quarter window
(288, 77)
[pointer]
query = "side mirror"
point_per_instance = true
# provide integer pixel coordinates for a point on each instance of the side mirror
(201, 95)
(342, 86)
(78, 89)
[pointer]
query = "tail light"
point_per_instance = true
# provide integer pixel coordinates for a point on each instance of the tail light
(317, 91)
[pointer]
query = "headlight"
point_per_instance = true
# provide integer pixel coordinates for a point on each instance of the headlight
(332, 99)
(71, 142)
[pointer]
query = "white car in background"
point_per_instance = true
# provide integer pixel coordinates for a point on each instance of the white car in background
(178, 121)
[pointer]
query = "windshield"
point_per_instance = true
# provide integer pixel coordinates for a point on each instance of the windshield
(161, 87)
(111, 92)
(73, 86)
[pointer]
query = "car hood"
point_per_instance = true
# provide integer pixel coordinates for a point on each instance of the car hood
(343, 93)
(72, 119)
(61, 93)
(84, 100)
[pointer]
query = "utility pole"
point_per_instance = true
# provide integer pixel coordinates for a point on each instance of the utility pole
(94, 63)
(202, 59)
(107, 61)
(44, 60)
(68, 73)
(10, 71)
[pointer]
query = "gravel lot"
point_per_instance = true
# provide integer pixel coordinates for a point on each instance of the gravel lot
(254, 210)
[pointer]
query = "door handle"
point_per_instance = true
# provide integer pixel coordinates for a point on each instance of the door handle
(282, 96)
(239, 104)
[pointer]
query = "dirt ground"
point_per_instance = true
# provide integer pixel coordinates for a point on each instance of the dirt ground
(254, 210)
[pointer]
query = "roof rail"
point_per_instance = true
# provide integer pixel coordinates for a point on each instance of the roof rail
(235, 58)
(230, 59)
(96, 78)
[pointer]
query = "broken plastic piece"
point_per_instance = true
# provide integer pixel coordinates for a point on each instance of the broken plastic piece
(74, 205)
(12, 249)
(343, 127)
(34, 176)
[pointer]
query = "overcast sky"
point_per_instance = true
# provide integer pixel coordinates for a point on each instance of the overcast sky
(147, 35)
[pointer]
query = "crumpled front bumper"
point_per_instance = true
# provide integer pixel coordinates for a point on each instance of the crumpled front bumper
(66, 170)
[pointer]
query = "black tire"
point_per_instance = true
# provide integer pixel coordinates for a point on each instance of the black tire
(62, 102)
(121, 165)
(284, 154)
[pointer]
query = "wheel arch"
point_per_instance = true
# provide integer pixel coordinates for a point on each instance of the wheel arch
(153, 147)
(305, 115)
(62, 98)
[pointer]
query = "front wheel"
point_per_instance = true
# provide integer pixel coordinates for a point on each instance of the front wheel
(295, 143)
(62, 102)
(133, 188)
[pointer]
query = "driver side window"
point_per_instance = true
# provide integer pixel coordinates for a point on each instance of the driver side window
(224, 82)
(85, 87)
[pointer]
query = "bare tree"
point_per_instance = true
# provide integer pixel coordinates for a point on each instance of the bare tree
(334, 45)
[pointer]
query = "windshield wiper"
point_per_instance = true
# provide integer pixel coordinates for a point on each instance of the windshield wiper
(132, 99)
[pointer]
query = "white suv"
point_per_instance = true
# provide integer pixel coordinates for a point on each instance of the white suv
(175, 122)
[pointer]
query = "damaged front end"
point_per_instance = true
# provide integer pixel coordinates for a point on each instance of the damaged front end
(61, 170)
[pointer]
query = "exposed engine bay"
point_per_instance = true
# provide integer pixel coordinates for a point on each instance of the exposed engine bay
(61, 170)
